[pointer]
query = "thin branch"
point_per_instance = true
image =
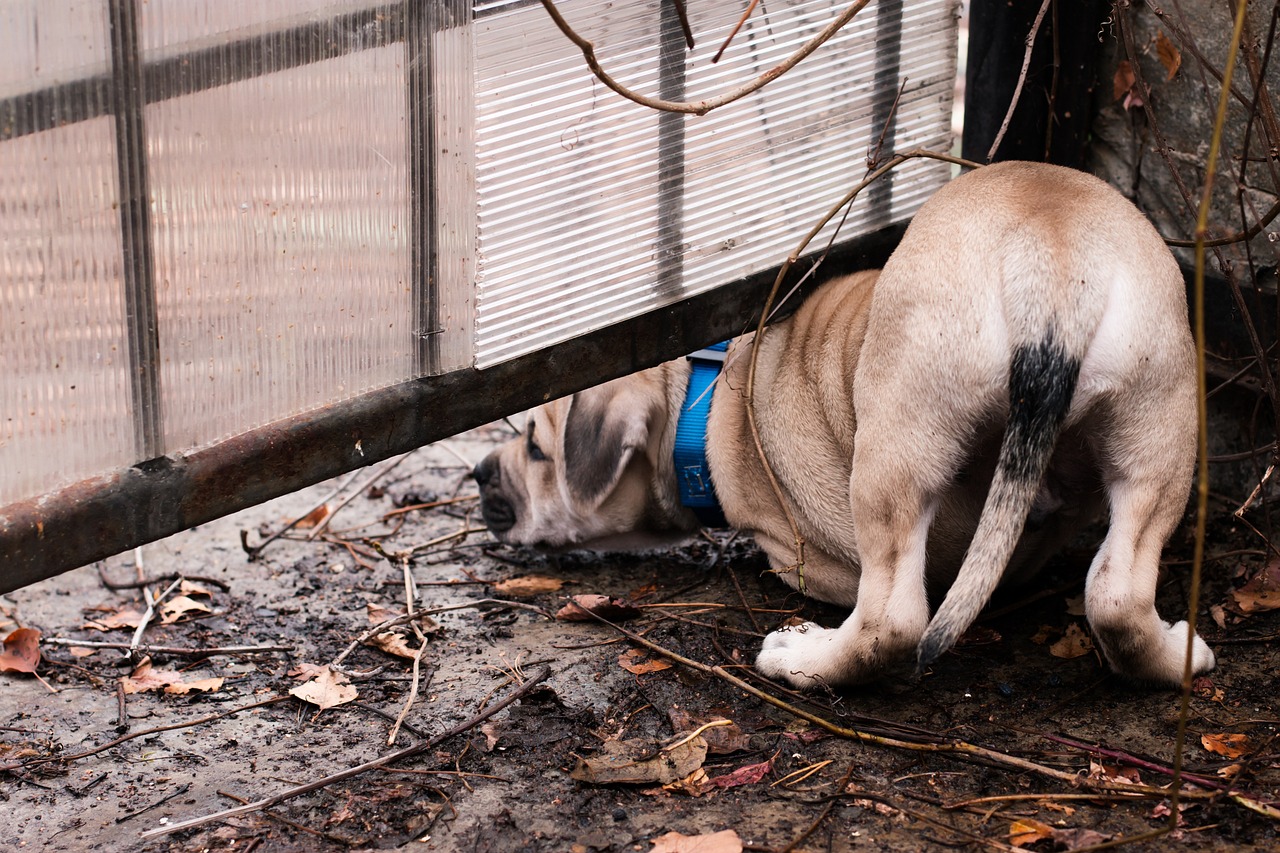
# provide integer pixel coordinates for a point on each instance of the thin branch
(708, 104)
(1022, 79)
(416, 749)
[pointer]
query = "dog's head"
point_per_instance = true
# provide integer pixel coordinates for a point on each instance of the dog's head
(582, 475)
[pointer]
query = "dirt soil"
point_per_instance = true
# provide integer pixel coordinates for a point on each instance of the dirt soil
(81, 775)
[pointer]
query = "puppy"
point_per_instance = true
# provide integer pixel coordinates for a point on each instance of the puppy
(1022, 362)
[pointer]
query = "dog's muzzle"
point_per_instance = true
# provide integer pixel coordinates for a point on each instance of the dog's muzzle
(499, 514)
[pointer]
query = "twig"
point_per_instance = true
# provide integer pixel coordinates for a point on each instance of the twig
(751, 7)
(116, 586)
(430, 505)
(406, 618)
(178, 651)
(416, 749)
(150, 613)
(254, 551)
(357, 492)
(1022, 79)
(181, 789)
(19, 765)
(683, 14)
(958, 748)
(345, 842)
(1202, 413)
(708, 104)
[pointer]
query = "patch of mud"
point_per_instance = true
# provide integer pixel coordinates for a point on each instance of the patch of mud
(507, 784)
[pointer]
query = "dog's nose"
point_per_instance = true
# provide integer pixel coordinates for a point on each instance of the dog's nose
(486, 471)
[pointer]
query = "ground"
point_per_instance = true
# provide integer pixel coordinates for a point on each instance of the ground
(523, 779)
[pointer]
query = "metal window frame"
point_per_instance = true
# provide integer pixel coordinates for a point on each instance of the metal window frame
(43, 536)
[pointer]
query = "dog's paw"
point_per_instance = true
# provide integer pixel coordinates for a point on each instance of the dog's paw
(798, 655)
(1202, 659)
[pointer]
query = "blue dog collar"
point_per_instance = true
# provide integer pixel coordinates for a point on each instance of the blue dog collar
(693, 475)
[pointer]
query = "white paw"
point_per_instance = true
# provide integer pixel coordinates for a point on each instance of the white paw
(1202, 659)
(800, 655)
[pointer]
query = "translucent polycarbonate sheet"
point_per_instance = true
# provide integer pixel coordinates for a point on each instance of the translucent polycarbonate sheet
(576, 230)
(452, 202)
(281, 222)
(64, 390)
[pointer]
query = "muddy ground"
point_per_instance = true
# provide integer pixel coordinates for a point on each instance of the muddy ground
(778, 782)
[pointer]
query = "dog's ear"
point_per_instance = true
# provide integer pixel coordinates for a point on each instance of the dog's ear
(603, 430)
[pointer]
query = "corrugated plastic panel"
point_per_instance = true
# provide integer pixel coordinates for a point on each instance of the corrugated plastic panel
(577, 228)
(280, 212)
(64, 390)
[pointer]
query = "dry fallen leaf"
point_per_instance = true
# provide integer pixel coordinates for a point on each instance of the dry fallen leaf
(724, 841)
(721, 740)
(305, 670)
(1074, 839)
(1114, 773)
(1169, 55)
(1260, 593)
(636, 763)
(127, 617)
(145, 678)
(748, 774)
(1228, 745)
(1123, 80)
(192, 588)
(175, 608)
(314, 517)
(327, 689)
(1027, 831)
(393, 644)
(21, 651)
(528, 586)
(633, 661)
(1074, 643)
(604, 606)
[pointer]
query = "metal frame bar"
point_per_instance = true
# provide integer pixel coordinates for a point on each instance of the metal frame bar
(141, 320)
(196, 71)
(423, 264)
(46, 535)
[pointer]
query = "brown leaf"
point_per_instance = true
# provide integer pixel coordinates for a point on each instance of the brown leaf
(695, 784)
(1169, 55)
(146, 678)
(724, 841)
(1228, 745)
(635, 763)
(721, 740)
(978, 635)
(1114, 773)
(379, 614)
(604, 606)
(1123, 80)
(127, 617)
(192, 588)
(528, 586)
(305, 670)
(175, 608)
(633, 661)
(1043, 635)
(747, 774)
(393, 644)
(21, 651)
(314, 517)
(1026, 831)
(1074, 643)
(1260, 593)
(1074, 839)
(327, 689)
(203, 685)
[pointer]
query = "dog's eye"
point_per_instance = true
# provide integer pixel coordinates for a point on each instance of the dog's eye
(535, 452)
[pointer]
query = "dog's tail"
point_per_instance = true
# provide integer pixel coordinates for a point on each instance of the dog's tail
(1042, 382)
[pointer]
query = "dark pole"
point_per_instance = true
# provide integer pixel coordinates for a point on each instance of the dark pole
(1051, 121)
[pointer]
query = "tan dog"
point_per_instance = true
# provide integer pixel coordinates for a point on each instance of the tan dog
(1023, 356)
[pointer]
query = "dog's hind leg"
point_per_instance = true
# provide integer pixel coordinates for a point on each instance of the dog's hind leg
(893, 504)
(1147, 474)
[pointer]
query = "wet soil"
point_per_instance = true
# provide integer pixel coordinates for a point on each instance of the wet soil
(506, 784)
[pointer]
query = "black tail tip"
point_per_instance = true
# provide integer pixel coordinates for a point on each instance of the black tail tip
(929, 650)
